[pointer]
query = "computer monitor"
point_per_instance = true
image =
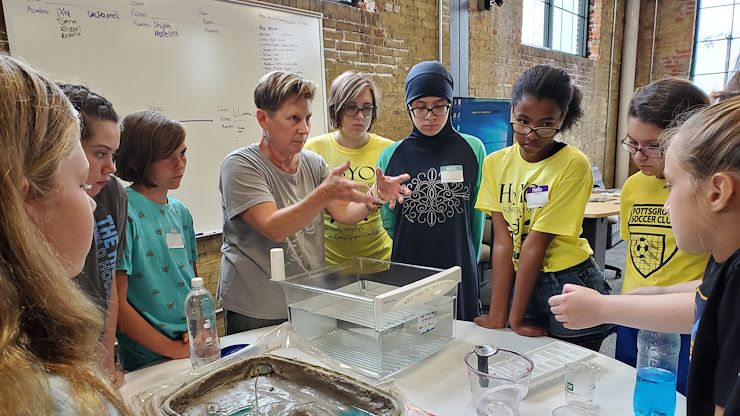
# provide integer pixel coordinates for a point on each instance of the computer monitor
(484, 118)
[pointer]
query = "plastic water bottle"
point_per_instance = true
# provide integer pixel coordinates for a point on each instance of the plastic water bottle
(200, 310)
(657, 363)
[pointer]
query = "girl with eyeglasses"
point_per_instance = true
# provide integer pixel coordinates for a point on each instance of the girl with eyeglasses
(536, 192)
(438, 225)
(353, 109)
(654, 261)
(702, 174)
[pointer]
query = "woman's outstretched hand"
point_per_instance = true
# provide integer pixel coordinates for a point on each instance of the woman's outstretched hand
(338, 187)
(391, 188)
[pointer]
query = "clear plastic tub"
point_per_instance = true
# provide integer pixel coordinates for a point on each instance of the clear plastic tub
(377, 317)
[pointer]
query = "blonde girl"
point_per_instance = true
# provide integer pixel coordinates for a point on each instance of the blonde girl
(49, 329)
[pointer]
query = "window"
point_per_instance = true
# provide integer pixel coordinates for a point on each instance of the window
(555, 24)
(717, 43)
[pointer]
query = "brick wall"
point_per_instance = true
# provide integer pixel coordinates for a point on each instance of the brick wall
(497, 58)
(209, 263)
(209, 260)
(674, 39)
(383, 44)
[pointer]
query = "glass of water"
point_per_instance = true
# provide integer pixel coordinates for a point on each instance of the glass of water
(580, 380)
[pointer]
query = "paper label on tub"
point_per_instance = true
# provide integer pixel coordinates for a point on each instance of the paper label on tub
(427, 322)
(426, 293)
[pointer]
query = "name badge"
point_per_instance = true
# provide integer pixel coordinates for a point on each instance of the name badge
(174, 239)
(536, 196)
(451, 173)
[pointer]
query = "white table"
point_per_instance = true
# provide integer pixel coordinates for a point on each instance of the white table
(439, 384)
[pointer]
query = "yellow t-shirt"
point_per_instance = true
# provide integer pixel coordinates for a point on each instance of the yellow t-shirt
(548, 196)
(653, 259)
(368, 237)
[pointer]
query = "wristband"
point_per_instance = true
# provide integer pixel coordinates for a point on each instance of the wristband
(373, 192)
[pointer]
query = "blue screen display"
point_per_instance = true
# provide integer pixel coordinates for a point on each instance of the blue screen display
(484, 118)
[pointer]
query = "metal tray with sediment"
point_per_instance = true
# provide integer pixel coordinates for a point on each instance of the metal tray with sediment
(271, 385)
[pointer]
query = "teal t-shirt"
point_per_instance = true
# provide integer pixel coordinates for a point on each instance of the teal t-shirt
(158, 259)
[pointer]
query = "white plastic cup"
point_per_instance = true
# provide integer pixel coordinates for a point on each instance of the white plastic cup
(580, 381)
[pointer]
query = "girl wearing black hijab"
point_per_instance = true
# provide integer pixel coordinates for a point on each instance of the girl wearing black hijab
(437, 225)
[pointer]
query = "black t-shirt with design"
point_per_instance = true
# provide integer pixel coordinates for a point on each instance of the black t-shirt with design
(715, 357)
(437, 225)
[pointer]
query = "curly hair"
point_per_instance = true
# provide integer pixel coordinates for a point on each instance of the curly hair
(549, 82)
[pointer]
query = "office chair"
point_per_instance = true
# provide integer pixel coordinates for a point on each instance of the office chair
(611, 220)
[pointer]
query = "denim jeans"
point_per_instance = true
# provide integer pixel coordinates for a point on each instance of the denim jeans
(550, 284)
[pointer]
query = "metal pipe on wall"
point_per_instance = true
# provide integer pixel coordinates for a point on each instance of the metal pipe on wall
(652, 48)
(459, 42)
(626, 83)
(439, 29)
(607, 125)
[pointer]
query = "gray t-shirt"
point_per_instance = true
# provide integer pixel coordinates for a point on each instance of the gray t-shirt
(249, 178)
(96, 278)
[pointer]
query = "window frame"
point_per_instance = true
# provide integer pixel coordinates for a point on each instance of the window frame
(580, 15)
(730, 67)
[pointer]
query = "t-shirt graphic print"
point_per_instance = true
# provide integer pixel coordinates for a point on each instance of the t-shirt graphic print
(649, 247)
(432, 200)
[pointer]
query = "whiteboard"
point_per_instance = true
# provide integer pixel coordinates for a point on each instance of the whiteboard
(196, 61)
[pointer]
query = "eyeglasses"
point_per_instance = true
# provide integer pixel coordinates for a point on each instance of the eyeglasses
(437, 110)
(649, 151)
(351, 110)
(541, 132)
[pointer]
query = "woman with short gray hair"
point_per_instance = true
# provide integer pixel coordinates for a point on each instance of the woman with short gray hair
(272, 193)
